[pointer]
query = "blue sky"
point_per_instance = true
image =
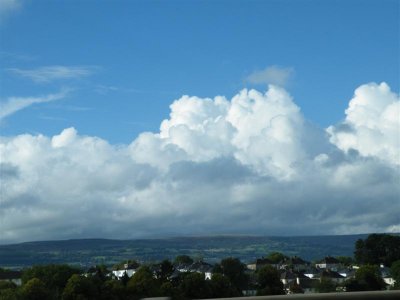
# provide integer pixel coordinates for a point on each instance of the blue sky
(142, 55)
(127, 119)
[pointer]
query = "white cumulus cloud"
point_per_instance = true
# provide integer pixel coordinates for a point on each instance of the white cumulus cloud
(372, 124)
(250, 164)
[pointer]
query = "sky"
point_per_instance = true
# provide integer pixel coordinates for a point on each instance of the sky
(125, 119)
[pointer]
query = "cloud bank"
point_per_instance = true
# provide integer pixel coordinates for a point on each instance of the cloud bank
(251, 164)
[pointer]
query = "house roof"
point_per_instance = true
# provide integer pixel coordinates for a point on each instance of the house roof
(331, 274)
(329, 260)
(311, 270)
(288, 275)
(264, 261)
(9, 274)
(201, 266)
(307, 283)
(295, 260)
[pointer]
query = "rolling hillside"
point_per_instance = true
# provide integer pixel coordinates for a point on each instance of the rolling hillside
(87, 252)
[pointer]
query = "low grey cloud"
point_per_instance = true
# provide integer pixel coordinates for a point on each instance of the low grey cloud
(251, 164)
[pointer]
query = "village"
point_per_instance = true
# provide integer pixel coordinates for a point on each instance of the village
(295, 274)
(375, 266)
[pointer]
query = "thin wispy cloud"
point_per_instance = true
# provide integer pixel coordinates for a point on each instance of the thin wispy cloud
(105, 89)
(11, 56)
(8, 7)
(271, 75)
(14, 104)
(52, 73)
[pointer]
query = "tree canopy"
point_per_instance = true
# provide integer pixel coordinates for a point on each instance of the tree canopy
(234, 270)
(269, 282)
(377, 249)
(367, 278)
(395, 272)
(276, 257)
(183, 259)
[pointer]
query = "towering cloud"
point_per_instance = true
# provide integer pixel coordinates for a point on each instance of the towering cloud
(372, 124)
(251, 164)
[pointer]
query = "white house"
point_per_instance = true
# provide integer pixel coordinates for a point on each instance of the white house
(311, 273)
(386, 276)
(11, 276)
(328, 262)
(128, 270)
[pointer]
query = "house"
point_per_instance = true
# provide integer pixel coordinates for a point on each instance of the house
(259, 263)
(201, 267)
(295, 263)
(182, 267)
(11, 276)
(386, 276)
(198, 266)
(307, 284)
(288, 277)
(128, 269)
(328, 262)
(311, 272)
(291, 278)
(347, 272)
(333, 276)
(92, 271)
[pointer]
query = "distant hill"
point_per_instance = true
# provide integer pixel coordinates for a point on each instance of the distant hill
(86, 252)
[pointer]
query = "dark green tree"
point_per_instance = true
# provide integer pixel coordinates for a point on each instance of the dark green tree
(132, 263)
(296, 289)
(35, 289)
(395, 273)
(276, 257)
(54, 277)
(345, 260)
(8, 291)
(7, 285)
(367, 278)
(113, 290)
(143, 284)
(269, 282)
(194, 286)
(377, 249)
(101, 272)
(168, 289)
(221, 287)
(183, 259)
(325, 285)
(79, 287)
(166, 269)
(234, 270)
